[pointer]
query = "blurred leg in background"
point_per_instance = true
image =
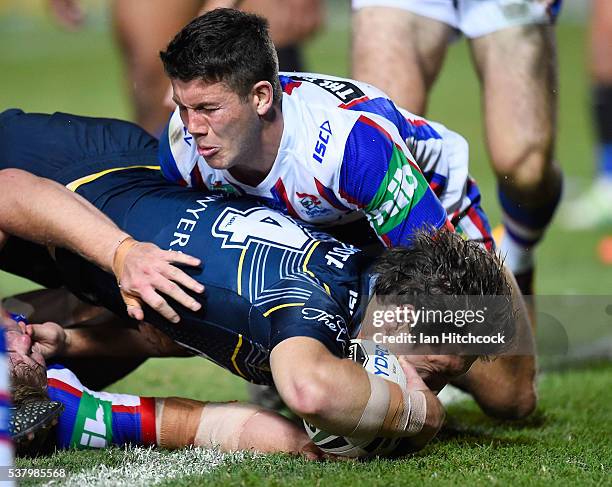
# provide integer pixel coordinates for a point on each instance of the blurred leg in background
(594, 207)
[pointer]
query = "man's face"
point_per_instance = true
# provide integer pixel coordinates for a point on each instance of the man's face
(225, 127)
(19, 347)
(438, 370)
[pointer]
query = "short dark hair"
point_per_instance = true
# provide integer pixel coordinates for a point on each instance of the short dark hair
(442, 263)
(224, 45)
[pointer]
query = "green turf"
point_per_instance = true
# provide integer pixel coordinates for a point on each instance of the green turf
(567, 441)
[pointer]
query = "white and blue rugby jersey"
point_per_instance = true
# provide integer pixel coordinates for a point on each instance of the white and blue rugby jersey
(346, 151)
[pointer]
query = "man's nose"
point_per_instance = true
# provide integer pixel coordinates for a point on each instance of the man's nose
(196, 124)
(21, 343)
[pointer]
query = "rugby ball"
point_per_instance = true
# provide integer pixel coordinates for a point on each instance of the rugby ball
(377, 360)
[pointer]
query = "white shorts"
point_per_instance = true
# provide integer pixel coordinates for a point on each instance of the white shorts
(474, 18)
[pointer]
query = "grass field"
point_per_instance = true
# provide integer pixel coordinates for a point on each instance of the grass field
(569, 439)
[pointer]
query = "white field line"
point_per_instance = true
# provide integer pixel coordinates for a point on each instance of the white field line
(147, 466)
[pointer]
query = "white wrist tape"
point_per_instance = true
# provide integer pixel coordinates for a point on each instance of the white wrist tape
(391, 408)
(417, 412)
(375, 412)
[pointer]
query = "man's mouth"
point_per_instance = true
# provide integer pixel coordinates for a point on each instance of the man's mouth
(208, 151)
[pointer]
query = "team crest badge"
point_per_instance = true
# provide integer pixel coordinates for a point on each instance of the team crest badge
(312, 204)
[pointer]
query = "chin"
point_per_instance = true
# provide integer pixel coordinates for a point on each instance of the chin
(218, 164)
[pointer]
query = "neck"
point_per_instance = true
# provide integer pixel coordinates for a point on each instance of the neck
(260, 164)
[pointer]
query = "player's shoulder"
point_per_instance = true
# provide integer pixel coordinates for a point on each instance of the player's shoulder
(177, 151)
(341, 92)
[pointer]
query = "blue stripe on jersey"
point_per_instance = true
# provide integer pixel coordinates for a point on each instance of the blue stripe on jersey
(284, 81)
(554, 9)
(127, 428)
(68, 416)
(167, 163)
(417, 129)
(428, 212)
(385, 108)
(437, 182)
(364, 164)
(421, 130)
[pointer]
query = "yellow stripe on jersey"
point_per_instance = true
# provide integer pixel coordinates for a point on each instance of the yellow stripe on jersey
(235, 354)
(308, 255)
(74, 185)
(240, 262)
(286, 305)
(310, 273)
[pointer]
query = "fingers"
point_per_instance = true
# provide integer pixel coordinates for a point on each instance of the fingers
(178, 276)
(133, 304)
(172, 290)
(181, 258)
(156, 302)
(146, 271)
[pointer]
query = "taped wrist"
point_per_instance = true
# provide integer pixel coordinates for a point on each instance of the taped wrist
(120, 254)
(177, 421)
(184, 422)
(391, 411)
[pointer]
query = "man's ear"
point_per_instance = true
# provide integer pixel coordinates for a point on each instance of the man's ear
(263, 97)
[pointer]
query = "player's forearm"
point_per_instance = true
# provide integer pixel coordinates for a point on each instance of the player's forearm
(106, 342)
(373, 406)
(45, 212)
(228, 427)
(308, 376)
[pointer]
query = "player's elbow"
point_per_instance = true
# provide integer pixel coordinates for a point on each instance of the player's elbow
(10, 177)
(308, 396)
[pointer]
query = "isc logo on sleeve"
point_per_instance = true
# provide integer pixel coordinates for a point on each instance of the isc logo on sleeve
(321, 146)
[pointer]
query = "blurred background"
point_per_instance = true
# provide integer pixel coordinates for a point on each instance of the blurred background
(46, 68)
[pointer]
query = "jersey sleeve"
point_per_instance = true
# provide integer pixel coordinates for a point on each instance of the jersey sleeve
(441, 154)
(319, 317)
(178, 157)
(98, 419)
(379, 176)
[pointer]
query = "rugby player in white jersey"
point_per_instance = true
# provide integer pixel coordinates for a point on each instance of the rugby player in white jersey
(400, 45)
(93, 419)
(326, 150)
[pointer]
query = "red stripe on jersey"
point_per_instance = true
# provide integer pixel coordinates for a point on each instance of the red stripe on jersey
(58, 384)
(147, 420)
(351, 199)
(121, 408)
(289, 87)
(477, 221)
(372, 123)
(351, 104)
(280, 187)
(5, 397)
(416, 123)
(386, 240)
(329, 196)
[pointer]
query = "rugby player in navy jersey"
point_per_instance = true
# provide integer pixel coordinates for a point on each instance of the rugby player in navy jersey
(147, 270)
(294, 298)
